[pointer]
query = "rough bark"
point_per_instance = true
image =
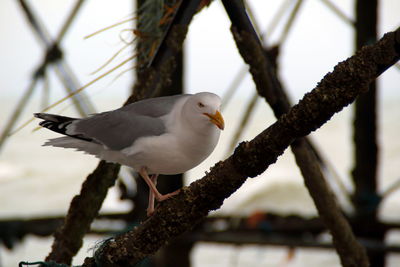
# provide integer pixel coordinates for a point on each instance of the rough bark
(179, 214)
(351, 253)
(83, 209)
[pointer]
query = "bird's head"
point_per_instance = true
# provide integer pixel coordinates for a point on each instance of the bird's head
(207, 107)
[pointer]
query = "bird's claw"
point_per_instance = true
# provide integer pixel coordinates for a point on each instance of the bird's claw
(167, 196)
(150, 212)
(160, 198)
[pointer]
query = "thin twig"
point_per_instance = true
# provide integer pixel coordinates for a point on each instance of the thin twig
(109, 27)
(289, 23)
(391, 189)
(230, 91)
(69, 20)
(338, 12)
(276, 18)
(17, 112)
(243, 122)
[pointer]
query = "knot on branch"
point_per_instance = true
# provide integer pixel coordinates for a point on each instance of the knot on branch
(53, 54)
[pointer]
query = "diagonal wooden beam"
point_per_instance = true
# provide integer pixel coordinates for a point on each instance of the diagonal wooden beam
(54, 56)
(351, 253)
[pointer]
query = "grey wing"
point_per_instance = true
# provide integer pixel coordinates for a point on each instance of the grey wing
(118, 129)
(154, 107)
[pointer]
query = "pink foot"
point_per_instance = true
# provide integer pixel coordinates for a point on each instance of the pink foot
(150, 212)
(167, 196)
(160, 198)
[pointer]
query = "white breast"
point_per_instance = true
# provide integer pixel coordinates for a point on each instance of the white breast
(181, 148)
(171, 154)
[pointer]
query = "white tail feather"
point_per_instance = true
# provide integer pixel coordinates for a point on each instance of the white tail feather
(89, 148)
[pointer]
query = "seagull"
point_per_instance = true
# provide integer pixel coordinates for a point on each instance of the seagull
(163, 135)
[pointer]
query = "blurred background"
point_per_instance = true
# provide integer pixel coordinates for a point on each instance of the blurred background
(39, 182)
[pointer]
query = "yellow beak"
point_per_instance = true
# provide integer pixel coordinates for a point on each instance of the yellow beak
(216, 119)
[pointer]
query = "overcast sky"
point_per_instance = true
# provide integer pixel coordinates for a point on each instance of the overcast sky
(318, 40)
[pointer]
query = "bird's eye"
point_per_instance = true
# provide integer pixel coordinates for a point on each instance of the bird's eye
(201, 105)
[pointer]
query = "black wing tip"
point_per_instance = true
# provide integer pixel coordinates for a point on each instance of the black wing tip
(46, 124)
(47, 116)
(53, 117)
(38, 115)
(59, 125)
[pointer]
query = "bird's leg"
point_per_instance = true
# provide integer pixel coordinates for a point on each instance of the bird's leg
(175, 192)
(150, 207)
(160, 197)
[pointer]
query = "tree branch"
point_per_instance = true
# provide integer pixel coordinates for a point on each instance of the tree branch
(83, 209)
(351, 253)
(179, 214)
